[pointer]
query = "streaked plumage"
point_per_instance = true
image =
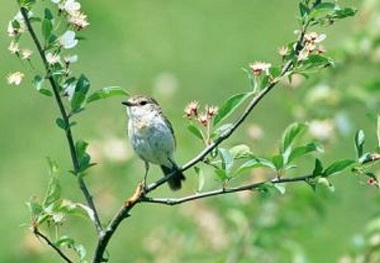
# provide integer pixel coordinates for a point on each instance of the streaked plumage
(152, 136)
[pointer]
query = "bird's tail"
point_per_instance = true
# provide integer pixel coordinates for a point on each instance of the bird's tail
(175, 182)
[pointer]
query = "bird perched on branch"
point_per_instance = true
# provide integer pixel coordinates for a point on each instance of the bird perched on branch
(152, 137)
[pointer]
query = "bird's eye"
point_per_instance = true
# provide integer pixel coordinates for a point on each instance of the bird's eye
(143, 102)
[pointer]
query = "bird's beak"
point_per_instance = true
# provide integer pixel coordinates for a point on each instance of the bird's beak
(127, 103)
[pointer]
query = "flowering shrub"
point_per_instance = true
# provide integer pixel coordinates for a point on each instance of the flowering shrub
(212, 125)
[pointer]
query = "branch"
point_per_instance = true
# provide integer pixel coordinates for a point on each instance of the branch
(248, 187)
(140, 196)
(284, 71)
(65, 118)
(51, 244)
(115, 222)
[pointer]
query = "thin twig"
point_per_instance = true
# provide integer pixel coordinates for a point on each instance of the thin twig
(285, 70)
(248, 187)
(124, 211)
(52, 245)
(65, 118)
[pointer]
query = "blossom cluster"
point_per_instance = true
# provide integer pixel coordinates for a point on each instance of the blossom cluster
(68, 10)
(75, 16)
(203, 118)
(259, 67)
(312, 45)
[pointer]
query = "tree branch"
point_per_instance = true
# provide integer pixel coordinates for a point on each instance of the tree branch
(141, 195)
(65, 118)
(284, 71)
(115, 222)
(248, 187)
(52, 245)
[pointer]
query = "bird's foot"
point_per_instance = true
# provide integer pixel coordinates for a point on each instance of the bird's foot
(139, 192)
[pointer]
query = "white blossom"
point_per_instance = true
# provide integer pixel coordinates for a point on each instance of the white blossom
(17, 24)
(258, 67)
(69, 91)
(67, 40)
(53, 58)
(71, 6)
(15, 78)
(26, 53)
(78, 20)
(14, 48)
(14, 31)
(70, 59)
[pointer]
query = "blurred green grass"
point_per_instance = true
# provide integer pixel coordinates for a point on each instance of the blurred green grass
(196, 46)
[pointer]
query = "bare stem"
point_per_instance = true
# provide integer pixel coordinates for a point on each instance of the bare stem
(65, 118)
(52, 245)
(221, 191)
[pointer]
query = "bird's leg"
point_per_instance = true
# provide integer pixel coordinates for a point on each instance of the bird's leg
(146, 175)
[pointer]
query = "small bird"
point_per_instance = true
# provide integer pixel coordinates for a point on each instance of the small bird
(152, 137)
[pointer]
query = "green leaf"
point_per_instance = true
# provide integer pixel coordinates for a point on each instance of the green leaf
(61, 123)
(64, 241)
(255, 162)
(280, 187)
(46, 92)
(48, 14)
(268, 189)
(318, 167)
(54, 188)
(26, 3)
(81, 88)
(312, 182)
(38, 82)
(322, 10)
(275, 72)
(69, 242)
(47, 28)
(359, 143)
(303, 150)
(278, 161)
(251, 79)
(80, 250)
(337, 167)
(107, 92)
(285, 155)
(304, 10)
(230, 106)
(68, 207)
(222, 174)
(315, 62)
(82, 156)
(227, 160)
(34, 207)
(195, 130)
(365, 158)
(291, 132)
(240, 151)
(201, 178)
(343, 13)
(85, 211)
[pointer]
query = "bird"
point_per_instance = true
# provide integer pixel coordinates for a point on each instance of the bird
(152, 137)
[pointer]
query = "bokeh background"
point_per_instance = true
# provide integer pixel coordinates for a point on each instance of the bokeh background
(178, 51)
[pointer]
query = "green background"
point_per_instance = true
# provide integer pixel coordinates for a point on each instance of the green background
(195, 50)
